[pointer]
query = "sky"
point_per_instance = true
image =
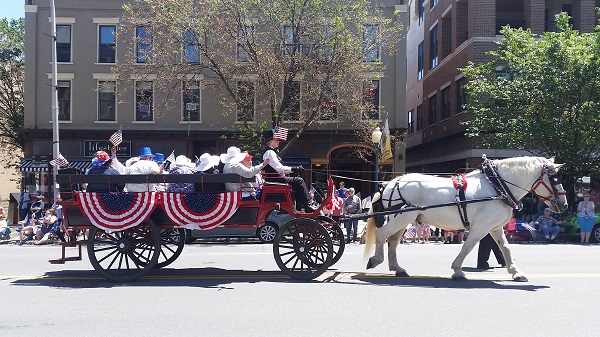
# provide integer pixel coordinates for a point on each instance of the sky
(12, 9)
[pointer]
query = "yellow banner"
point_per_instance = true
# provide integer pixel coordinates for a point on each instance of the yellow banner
(386, 143)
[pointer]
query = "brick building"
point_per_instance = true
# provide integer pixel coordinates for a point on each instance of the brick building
(443, 36)
(89, 111)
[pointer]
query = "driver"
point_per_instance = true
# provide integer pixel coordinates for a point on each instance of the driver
(276, 171)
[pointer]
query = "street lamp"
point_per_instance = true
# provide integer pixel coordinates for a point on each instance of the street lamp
(376, 139)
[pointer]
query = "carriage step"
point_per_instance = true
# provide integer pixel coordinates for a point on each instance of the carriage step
(64, 258)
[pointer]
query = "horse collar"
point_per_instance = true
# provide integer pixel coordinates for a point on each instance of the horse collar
(490, 171)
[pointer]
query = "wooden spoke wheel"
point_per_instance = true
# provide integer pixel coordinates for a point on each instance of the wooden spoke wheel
(303, 249)
(337, 237)
(126, 255)
(172, 241)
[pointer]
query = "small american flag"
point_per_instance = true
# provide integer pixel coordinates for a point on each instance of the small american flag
(171, 157)
(117, 137)
(59, 161)
(280, 133)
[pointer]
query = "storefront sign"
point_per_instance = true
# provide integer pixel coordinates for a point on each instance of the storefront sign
(93, 146)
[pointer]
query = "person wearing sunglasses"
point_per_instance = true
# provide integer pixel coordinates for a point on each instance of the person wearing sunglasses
(586, 217)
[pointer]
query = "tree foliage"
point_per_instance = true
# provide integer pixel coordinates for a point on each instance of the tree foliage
(12, 73)
(540, 94)
(275, 44)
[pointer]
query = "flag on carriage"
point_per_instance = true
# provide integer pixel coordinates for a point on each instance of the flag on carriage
(116, 138)
(280, 133)
(59, 161)
(171, 157)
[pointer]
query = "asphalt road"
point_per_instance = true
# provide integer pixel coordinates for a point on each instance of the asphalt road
(237, 290)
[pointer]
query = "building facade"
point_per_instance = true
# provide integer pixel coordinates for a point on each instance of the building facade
(90, 110)
(443, 36)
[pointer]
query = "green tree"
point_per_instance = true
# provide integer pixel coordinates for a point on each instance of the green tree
(540, 94)
(12, 73)
(278, 45)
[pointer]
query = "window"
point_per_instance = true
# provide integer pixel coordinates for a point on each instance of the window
(461, 97)
(420, 118)
(288, 35)
(107, 101)
(432, 109)
(411, 124)
(244, 38)
(63, 43)
(371, 47)
(420, 62)
(421, 10)
(371, 99)
(433, 47)
(329, 106)
(190, 49)
(245, 106)
(432, 3)
(144, 110)
(445, 103)
(143, 44)
(106, 44)
(291, 91)
(64, 100)
(190, 101)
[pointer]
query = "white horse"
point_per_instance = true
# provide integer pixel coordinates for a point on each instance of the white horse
(418, 192)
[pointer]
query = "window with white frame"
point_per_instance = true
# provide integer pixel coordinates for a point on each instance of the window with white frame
(371, 99)
(371, 46)
(190, 101)
(143, 44)
(244, 38)
(144, 110)
(421, 11)
(191, 53)
(411, 122)
(63, 43)
(107, 101)
(245, 106)
(107, 52)
(64, 100)
(432, 3)
(291, 92)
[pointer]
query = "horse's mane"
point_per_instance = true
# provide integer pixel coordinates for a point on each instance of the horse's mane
(517, 165)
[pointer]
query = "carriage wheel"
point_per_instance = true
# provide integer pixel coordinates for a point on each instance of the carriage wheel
(337, 237)
(303, 249)
(172, 241)
(125, 255)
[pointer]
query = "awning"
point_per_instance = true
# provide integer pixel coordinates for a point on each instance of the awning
(29, 166)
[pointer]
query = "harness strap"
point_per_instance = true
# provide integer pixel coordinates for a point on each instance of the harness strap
(491, 173)
(460, 184)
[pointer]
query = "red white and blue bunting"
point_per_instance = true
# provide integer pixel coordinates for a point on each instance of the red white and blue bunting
(200, 211)
(116, 211)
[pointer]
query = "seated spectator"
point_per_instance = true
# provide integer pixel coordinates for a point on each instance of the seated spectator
(102, 165)
(43, 224)
(46, 226)
(241, 163)
(159, 158)
(311, 200)
(182, 165)
(209, 165)
(146, 165)
(548, 225)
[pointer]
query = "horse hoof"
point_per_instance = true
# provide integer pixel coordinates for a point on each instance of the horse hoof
(521, 279)
(402, 274)
(459, 278)
(370, 265)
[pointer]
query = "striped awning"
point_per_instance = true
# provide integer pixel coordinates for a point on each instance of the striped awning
(29, 166)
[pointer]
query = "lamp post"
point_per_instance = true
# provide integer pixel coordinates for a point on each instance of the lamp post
(376, 139)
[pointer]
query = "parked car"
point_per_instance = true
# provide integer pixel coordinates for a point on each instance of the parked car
(572, 229)
(265, 233)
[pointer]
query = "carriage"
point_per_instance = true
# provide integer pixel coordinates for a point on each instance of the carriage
(129, 234)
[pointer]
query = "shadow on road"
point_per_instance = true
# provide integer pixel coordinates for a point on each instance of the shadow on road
(227, 279)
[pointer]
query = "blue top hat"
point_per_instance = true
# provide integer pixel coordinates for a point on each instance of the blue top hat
(145, 152)
(159, 157)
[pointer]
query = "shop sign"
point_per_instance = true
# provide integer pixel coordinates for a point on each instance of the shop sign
(90, 147)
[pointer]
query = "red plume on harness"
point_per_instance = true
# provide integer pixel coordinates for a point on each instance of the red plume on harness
(460, 182)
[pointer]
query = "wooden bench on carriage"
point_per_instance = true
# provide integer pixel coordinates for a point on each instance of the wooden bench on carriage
(129, 234)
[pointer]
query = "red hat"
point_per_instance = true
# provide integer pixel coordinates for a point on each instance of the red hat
(100, 158)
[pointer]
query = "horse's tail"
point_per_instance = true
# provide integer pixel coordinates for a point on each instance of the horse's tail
(370, 229)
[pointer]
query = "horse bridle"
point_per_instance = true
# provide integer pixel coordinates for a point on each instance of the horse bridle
(554, 179)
